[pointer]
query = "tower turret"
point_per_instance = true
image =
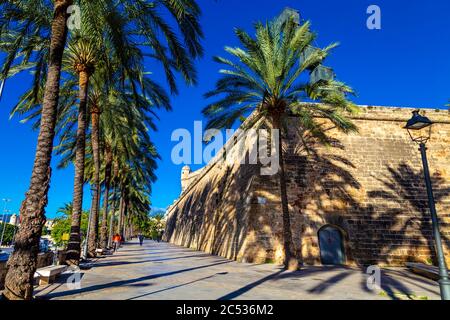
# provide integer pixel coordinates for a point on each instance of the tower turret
(185, 172)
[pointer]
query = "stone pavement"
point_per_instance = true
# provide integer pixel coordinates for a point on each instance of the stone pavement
(165, 271)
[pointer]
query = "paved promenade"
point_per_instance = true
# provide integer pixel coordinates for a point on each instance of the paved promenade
(165, 271)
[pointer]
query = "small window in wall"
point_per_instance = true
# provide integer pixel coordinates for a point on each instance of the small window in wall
(331, 246)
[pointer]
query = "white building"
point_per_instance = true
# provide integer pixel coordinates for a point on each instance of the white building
(49, 224)
(14, 220)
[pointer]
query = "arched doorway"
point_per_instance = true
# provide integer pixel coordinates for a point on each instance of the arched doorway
(331, 245)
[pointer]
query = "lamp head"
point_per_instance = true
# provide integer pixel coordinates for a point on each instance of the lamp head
(418, 122)
(419, 127)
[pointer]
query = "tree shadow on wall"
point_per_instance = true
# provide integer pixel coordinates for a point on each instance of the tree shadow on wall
(327, 193)
(204, 221)
(374, 224)
(231, 216)
(190, 218)
(404, 212)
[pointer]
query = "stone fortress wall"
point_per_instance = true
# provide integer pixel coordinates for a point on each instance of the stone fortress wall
(367, 185)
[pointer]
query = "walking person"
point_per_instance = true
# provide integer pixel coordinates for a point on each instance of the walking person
(141, 238)
(116, 240)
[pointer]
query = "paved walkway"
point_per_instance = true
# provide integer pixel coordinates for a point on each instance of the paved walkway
(165, 271)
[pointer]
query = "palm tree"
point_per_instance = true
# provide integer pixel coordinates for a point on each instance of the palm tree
(62, 224)
(119, 104)
(266, 77)
(124, 123)
(81, 56)
(20, 17)
(110, 66)
(136, 159)
(38, 28)
(95, 110)
(108, 163)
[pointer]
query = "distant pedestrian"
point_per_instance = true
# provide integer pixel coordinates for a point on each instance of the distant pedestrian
(159, 236)
(141, 239)
(116, 240)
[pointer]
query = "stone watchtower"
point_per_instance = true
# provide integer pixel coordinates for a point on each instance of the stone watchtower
(185, 172)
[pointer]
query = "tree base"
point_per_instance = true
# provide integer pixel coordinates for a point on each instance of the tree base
(292, 264)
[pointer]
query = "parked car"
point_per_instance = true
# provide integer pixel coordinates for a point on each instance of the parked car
(4, 256)
(44, 245)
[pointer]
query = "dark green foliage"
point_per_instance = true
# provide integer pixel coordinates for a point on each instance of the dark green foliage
(62, 223)
(9, 232)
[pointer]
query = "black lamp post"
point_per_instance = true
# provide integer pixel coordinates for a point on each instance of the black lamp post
(419, 129)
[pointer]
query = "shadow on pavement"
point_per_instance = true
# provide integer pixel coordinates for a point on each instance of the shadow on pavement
(178, 286)
(125, 282)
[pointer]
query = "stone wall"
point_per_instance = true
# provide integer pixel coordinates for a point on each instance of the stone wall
(369, 185)
(212, 215)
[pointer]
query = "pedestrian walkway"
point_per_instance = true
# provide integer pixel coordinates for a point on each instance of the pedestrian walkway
(165, 271)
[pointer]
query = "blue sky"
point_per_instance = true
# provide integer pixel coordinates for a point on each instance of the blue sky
(406, 63)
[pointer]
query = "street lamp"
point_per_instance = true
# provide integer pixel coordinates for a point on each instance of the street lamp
(419, 129)
(2, 86)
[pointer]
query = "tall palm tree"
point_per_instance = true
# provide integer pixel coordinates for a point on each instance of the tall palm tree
(113, 105)
(124, 126)
(95, 110)
(108, 163)
(266, 77)
(20, 17)
(81, 56)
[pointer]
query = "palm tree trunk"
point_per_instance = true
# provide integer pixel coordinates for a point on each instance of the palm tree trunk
(131, 230)
(74, 245)
(121, 206)
(290, 261)
(104, 228)
(128, 227)
(125, 216)
(92, 240)
(22, 263)
(111, 221)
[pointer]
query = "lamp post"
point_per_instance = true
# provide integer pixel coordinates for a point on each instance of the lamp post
(2, 86)
(419, 129)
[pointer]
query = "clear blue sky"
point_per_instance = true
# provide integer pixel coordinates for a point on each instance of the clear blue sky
(406, 63)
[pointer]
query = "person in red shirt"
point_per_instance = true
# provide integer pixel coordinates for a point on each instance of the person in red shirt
(116, 240)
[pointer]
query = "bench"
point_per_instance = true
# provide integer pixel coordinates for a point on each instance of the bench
(47, 275)
(430, 272)
(102, 252)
